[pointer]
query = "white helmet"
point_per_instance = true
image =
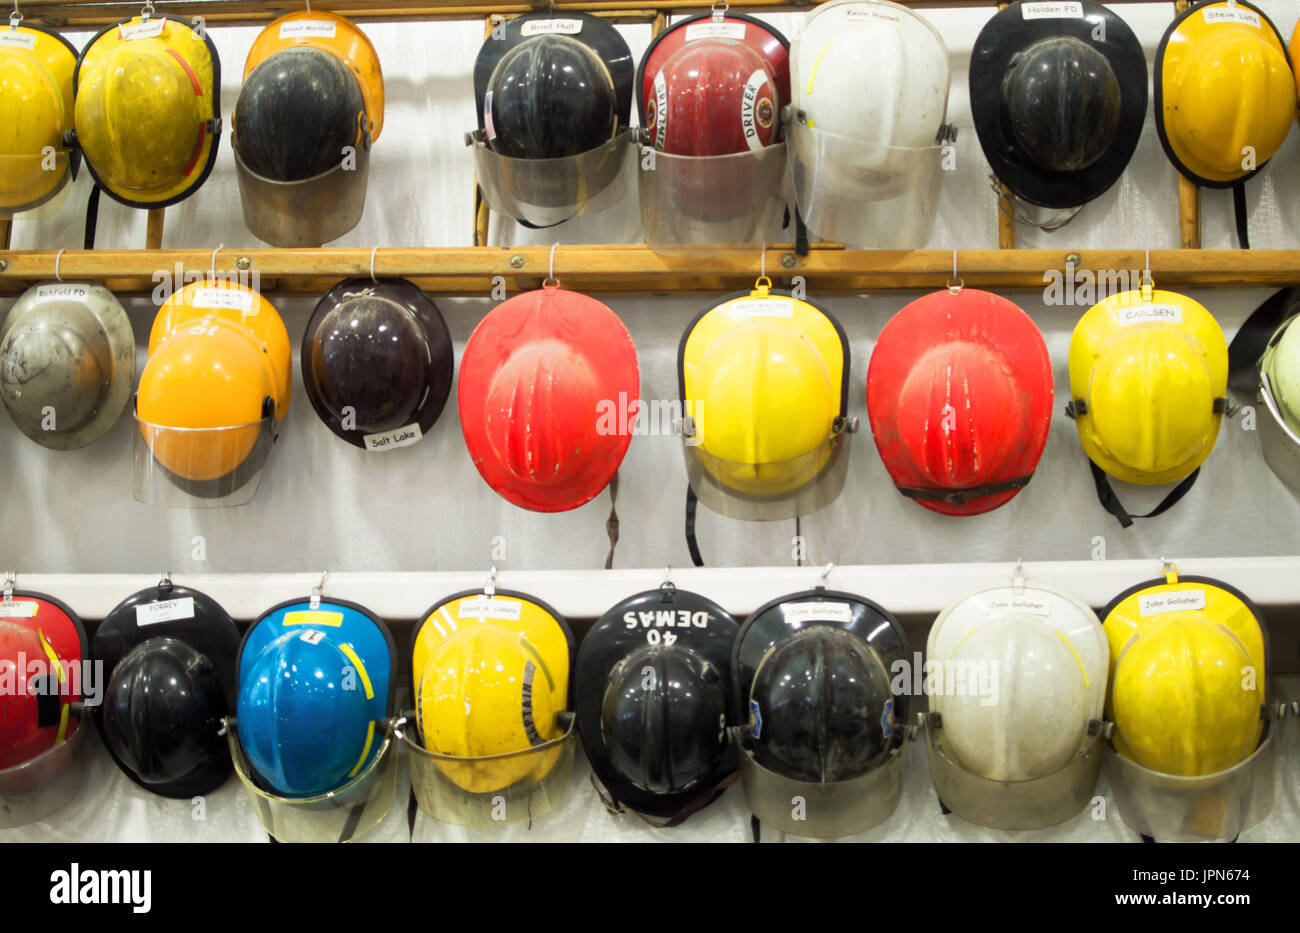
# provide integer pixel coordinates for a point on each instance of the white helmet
(869, 83)
(1017, 683)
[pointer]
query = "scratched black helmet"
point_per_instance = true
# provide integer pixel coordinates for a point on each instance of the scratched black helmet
(813, 674)
(1058, 103)
(653, 702)
(377, 362)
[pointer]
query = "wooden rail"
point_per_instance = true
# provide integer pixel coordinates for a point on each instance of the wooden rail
(471, 271)
(234, 12)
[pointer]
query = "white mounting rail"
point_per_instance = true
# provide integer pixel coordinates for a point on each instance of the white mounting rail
(586, 594)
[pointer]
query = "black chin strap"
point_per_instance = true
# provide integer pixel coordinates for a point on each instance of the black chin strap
(611, 523)
(1110, 502)
(692, 545)
(92, 217)
(1239, 208)
(800, 235)
(962, 496)
(705, 798)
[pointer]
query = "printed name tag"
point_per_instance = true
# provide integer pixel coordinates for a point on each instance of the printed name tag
(1032, 605)
(150, 30)
(873, 15)
(314, 617)
(564, 27)
(168, 610)
(308, 28)
(1169, 314)
(485, 608)
(1234, 15)
(761, 307)
(62, 291)
(817, 612)
(17, 609)
(18, 40)
(223, 299)
(1052, 10)
(715, 31)
(391, 440)
(1177, 601)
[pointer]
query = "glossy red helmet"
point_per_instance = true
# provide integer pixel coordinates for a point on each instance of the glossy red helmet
(770, 45)
(959, 393)
(547, 388)
(713, 97)
(42, 650)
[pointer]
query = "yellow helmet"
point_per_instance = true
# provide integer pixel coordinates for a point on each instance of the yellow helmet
(148, 111)
(1148, 385)
(1225, 94)
(1187, 680)
(491, 679)
(214, 374)
(763, 377)
(36, 67)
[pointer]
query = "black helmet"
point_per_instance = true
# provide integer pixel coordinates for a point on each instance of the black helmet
(1058, 102)
(297, 112)
(814, 672)
(302, 147)
(652, 699)
(169, 658)
(549, 85)
(381, 349)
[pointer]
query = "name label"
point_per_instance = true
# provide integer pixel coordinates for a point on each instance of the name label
(544, 27)
(817, 612)
(391, 440)
(1027, 604)
(490, 608)
(223, 299)
(17, 609)
(150, 30)
(1168, 314)
(62, 291)
(169, 610)
(308, 28)
(1232, 15)
(1052, 10)
(715, 31)
(1177, 601)
(761, 307)
(18, 40)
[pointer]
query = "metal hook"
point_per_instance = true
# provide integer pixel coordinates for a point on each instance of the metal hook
(372, 265)
(10, 579)
(146, 11)
(1018, 576)
(308, 2)
(15, 18)
(490, 587)
(212, 271)
(551, 280)
(165, 581)
(719, 10)
(57, 257)
(827, 571)
(1148, 281)
(955, 284)
(1169, 569)
(762, 261)
(667, 587)
(318, 589)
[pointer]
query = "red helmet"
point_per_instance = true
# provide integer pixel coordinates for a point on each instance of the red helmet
(546, 384)
(712, 97)
(959, 392)
(715, 34)
(42, 648)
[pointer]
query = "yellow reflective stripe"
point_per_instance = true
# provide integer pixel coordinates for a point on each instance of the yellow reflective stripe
(817, 64)
(365, 752)
(1082, 669)
(313, 617)
(361, 669)
(64, 707)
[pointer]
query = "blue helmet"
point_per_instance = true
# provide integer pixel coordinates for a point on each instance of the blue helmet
(313, 686)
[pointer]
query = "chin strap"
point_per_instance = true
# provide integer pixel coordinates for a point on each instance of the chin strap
(1239, 209)
(92, 217)
(962, 496)
(800, 235)
(1110, 502)
(705, 798)
(611, 523)
(692, 545)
